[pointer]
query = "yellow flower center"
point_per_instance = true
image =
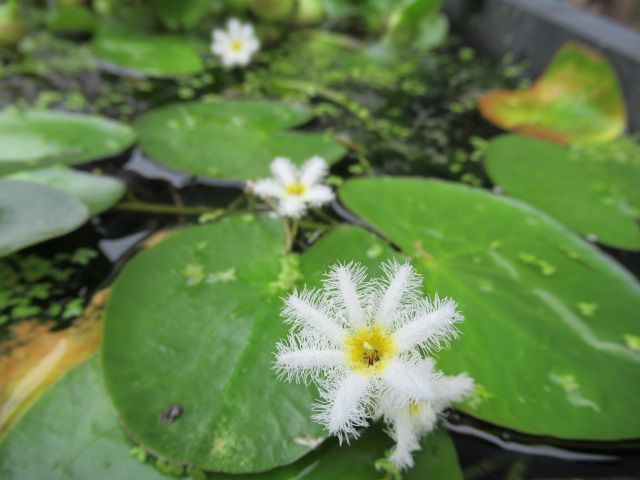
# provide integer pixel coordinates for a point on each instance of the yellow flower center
(296, 188)
(237, 45)
(414, 408)
(369, 349)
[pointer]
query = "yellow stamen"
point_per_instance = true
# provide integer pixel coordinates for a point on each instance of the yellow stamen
(369, 349)
(296, 188)
(236, 45)
(414, 408)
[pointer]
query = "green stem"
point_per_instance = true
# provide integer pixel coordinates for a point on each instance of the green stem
(135, 206)
(291, 226)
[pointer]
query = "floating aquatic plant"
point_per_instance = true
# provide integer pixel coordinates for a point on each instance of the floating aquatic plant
(294, 189)
(362, 343)
(236, 45)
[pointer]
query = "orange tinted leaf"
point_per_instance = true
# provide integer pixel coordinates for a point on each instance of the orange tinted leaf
(36, 357)
(577, 99)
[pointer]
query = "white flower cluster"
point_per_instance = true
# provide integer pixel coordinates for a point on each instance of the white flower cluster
(236, 45)
(363, 343)
(294, 189)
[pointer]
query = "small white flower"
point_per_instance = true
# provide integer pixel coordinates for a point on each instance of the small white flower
(235, 45)
(362, 341)
(409, 423)
(295, 189)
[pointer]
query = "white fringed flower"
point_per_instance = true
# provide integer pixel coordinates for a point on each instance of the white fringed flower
(408, 423)
(236, 45)
(362, 341)
(295, 189)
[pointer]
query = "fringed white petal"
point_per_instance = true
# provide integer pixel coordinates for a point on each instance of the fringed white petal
(313, 171)
(452, 389)
(304, 310)
(406, 378)
(432, 325)
(292, 207)
(296, 365)
(268, 188)
(403, 430)
(283, 170)
(402, 286)
(345, 283)
(318, 195)
(304, 357)
(345, 406)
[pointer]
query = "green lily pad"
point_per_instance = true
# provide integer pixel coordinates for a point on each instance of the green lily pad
(74, 433)
(182, 14)
(32, 213)
(193, 322)
(71, 19)
(231, 139)
(98, 193)
(33, 138)
(417, 23)
(551, 331)
(162, 56)
(594, 191)
(577, 99)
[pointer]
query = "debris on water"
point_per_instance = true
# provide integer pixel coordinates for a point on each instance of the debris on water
(171, 413)
(632, 341)
(139, 453)
(374, 251)
(194, 274)
(210, 217)
(308, 441)
(569, 384)
(587, 309)
(289, 275)
(479, 396)
(545, 267)
(420, 251)
(223, 276)
(572, 255)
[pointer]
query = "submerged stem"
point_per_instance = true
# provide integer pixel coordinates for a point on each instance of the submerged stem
(291, 231)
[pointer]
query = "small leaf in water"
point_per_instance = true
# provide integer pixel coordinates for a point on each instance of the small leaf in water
(545, 267)
(632, 341)
(289, 274)
(587, 309)
(223, 276)
(194, 273)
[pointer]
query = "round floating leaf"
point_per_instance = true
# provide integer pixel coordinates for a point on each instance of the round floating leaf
(551, 332)
(31, 213)
(74, 433)
(35, 138)
(98, 193)
(191, 326)
(593, 191)
(71, 432)
(71, 19)
(183, 14)
(153, 55)
(231, 139)
(577, 99)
